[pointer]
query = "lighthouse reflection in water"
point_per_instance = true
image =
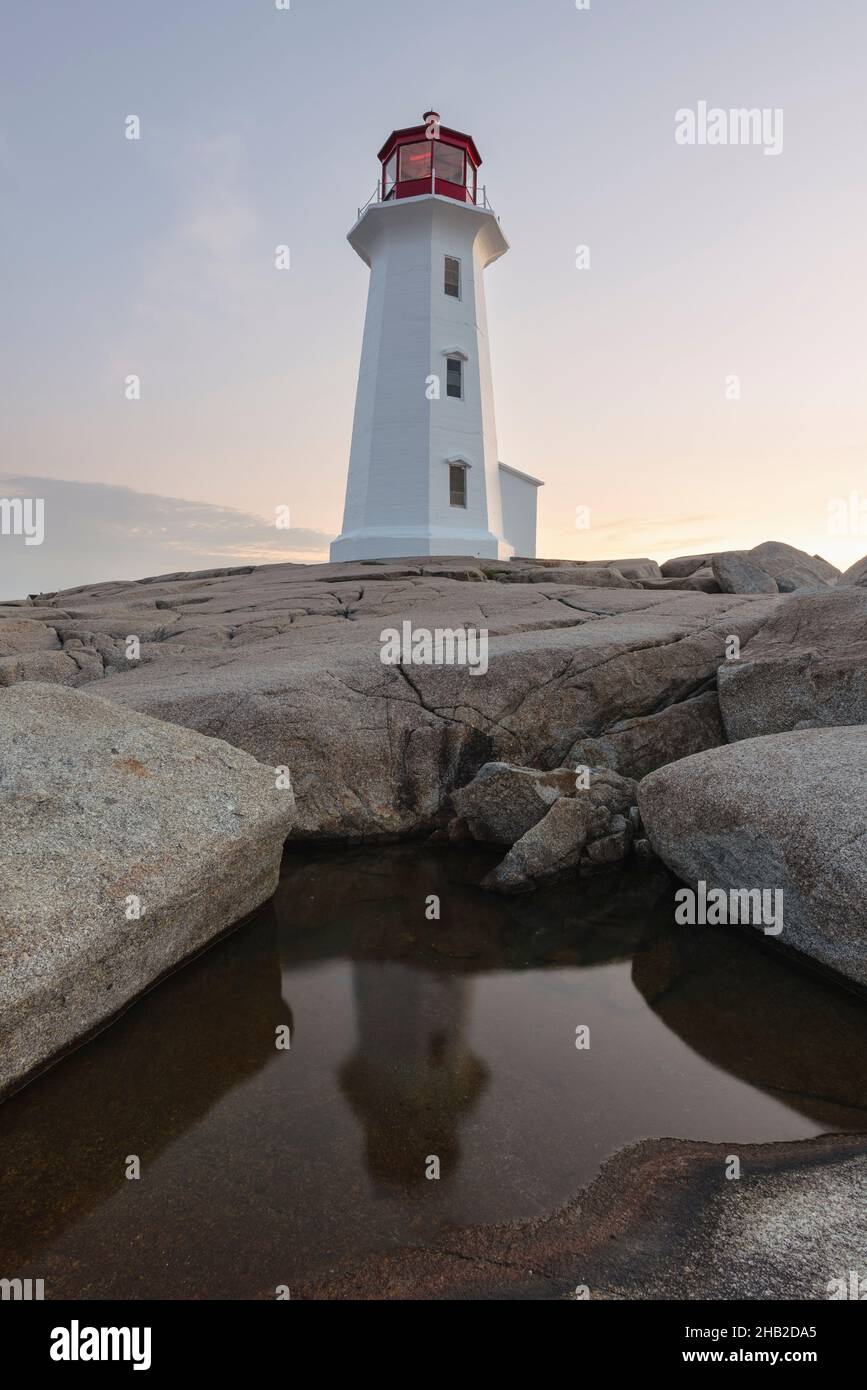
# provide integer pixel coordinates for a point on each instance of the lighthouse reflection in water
(413, 1077)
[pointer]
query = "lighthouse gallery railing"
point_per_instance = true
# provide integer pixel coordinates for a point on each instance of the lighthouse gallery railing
(479, 199)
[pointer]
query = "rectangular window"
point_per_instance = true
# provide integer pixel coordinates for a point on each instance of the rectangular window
(455, 377)
(415, 161)
(450, 163)
(457, 485)
(453, 277)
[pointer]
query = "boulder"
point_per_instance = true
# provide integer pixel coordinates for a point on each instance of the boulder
(556, 844)
(587, 576)
(551, 848)
(503, 802)
(636, 569)
(634, 747)
(683, 565)
(856, 574)
(701, 581)
(641, 565)
(736, 573)
(807, 666)
(785, 811)
(632, 562)
(610, 848)
(103, 812)
(54, 667)
(537, 562)
(20, 634)
(791, 568)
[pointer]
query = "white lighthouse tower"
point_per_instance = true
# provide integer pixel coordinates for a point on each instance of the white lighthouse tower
(424, 473)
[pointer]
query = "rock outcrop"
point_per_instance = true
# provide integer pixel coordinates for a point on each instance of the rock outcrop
(284, 661)
(584, 576)
(784, 812)
(736, 573)
(503, 802)
(588, 827)
(855, 574)
(126, 845)
(682, 565)
(792, 568)
(766, 569)
(553, 821)
(806, 667)
(634, 747)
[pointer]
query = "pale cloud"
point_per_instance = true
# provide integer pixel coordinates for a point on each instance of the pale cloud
(94, 531)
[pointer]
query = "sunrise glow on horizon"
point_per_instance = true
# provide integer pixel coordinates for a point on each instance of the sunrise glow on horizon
(644, 275)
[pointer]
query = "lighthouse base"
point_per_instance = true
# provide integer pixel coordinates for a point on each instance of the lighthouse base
(386, 544)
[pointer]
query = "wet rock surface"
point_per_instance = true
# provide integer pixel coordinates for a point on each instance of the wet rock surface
(661, 1221)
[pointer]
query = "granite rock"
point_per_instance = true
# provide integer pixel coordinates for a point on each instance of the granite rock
(105, 812)
(784, 812)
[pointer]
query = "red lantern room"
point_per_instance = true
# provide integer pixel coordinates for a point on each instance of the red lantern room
(430, 158)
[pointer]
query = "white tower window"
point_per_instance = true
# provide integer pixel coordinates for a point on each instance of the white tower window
(453, 277)
(455, 378)
(458, 484)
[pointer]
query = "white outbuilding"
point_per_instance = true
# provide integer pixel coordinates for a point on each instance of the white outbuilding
(424, 472)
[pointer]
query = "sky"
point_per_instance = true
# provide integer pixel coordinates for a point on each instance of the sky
(614, 383)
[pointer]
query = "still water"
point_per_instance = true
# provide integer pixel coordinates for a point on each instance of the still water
(409, 1038)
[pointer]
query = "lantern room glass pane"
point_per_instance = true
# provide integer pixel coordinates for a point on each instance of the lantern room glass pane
(415, 161)
(471, 179)
(449, 163)
(389, 175)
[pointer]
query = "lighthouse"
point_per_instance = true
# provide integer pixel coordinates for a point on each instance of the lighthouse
(424, 472)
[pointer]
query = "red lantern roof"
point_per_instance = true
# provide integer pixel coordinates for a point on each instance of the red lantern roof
(430, 158)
